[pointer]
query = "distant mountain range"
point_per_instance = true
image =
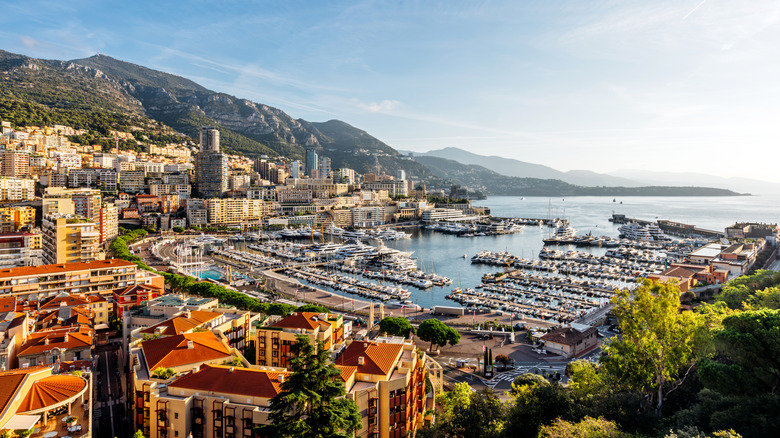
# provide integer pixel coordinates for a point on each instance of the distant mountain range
(522, 169)
(744, 185)
(478, 178)
(101, 93)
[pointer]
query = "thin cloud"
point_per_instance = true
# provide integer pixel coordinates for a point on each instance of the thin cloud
(379, 107)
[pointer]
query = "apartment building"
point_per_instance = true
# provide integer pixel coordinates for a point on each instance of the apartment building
(275, 340)
(48, 347)
(181, 353)
(233, 211)
(16, 189)
(131, 181)
(15, 164)
(70, 238)
(20, 249)
(109, 222)
(12, 219)
(98, 277)
(386, 378)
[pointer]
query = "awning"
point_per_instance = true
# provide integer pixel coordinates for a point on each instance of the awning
(22, 422)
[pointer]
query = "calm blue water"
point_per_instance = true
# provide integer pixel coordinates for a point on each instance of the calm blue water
(209, 274)
(443, 254)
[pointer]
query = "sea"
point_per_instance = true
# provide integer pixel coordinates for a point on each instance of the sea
(444, 253)
(449, 255)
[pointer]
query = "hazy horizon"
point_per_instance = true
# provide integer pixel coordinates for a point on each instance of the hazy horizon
(602, 86)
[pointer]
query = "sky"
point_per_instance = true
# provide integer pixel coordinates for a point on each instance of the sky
(600, 85)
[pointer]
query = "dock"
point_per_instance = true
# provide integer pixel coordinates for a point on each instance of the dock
(670, 227)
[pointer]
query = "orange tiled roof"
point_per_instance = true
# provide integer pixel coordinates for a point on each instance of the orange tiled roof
(302, 320)
(378, 358)
(63, 299)
(8, 304)
(242, 381)
(172, 351)
(346, 371)
(135, 289)
(180, 324)
(10, 382)
(50, 391)
(36, 343)
(25, 271)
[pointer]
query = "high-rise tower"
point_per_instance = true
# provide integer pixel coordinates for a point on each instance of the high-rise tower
(209, 139)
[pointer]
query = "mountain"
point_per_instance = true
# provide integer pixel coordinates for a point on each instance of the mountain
(126, 94)
(478, 178)
(746, 185)
(522, 169)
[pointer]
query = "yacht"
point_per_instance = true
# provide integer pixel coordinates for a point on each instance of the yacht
(634, 231)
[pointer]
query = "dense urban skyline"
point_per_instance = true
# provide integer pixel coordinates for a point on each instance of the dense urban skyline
(660, 86)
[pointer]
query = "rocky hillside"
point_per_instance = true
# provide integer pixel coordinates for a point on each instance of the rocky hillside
(54, 91)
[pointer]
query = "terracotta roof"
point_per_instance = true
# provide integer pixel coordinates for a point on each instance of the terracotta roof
(8, 304)
(678, 272)
(50, 391)
(567, 335)
(36, 343)
(64, 317)
(172, 351)
(10, 382)
(241, 381)
(378, 358)
(136, 289)
(24, 271)
(180, 324)
(302, 320)
(63, 299)
(346, 371)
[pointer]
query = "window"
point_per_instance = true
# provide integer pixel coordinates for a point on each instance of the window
(176, 416)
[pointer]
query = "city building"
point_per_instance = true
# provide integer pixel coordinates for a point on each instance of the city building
(70, 238)
(571, 340)
(16, 189)
(99, 277)
(209, 139)
(20, 249)
(15, 164)
(386, 378)
(131, 181)
(13, 219)
(48, 347)
(211, 173)
(233, 211)
(275, 340)
(311, 162)
(32, 395)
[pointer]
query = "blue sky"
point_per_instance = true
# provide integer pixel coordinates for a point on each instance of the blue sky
(600, 85)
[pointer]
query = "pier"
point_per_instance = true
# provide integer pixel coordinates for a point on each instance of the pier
(670, 227)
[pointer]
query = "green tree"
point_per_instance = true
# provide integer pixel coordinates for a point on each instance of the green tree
(536, 402)
(311, 402)
(138, 434)
(656, 350)
(748, 360)
(437, 333)
(312, 308)
(588, 427)
(396, 326)
(584, 380)
(503, 359)
(466, 413)
(163, 373)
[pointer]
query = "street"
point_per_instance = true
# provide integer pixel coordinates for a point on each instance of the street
(110, 417)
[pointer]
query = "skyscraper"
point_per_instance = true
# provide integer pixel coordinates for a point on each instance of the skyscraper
(211, 166)
(323, 167)
(295, 169)
(209, 139)
(312, 162)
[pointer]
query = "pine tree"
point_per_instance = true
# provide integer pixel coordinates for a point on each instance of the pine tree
(311, 402)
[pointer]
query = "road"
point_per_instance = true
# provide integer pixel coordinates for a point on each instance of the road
(110, 416)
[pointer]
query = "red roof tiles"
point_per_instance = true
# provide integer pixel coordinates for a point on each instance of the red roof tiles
(51, 391)
(173, 351)
(24, 271)
(239, 381)
(378, 358)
